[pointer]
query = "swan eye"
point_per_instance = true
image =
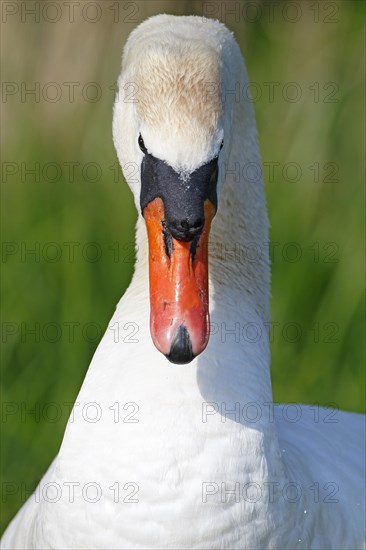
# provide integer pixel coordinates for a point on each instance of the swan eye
(222, 144)
(142, 144)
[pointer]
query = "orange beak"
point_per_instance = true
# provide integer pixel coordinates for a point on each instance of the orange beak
(179, 316)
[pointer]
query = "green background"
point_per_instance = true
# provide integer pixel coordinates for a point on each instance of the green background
(314, 144)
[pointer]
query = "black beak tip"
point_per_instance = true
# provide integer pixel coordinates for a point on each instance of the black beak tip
(181, 348)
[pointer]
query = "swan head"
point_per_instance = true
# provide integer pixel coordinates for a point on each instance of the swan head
(169, 127)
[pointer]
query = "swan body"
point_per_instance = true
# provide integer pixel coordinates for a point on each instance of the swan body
(157, 455)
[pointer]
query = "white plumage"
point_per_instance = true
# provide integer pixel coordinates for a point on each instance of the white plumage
(196, 456)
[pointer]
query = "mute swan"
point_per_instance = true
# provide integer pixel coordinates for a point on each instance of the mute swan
(158, 455)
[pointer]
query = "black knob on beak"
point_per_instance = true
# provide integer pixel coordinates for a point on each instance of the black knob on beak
(185, 229)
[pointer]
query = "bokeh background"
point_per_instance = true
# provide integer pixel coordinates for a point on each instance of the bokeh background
(306, 65)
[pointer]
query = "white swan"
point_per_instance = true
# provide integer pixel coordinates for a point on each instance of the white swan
(158, 455)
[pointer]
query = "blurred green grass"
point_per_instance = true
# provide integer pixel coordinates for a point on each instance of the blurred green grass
(324, 297)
